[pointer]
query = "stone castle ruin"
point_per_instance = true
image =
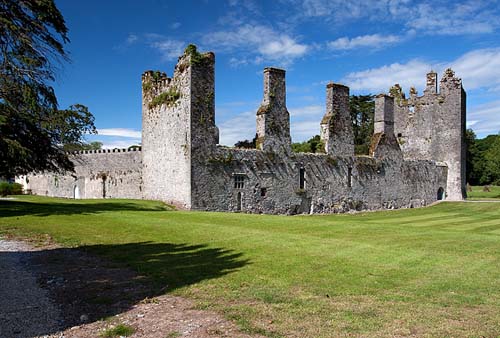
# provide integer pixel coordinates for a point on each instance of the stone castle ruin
(417, 154)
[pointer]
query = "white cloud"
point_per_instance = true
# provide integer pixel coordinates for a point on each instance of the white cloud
(471, 17)
(484, 118)
(312, 110)
(262, 41)
(437, 17)
(112, 144)
(170, 49)
(478, 69)
(119, 132)
(238, 128)
(304, 130)
(382, 78)
(132, 38)
(375, 41)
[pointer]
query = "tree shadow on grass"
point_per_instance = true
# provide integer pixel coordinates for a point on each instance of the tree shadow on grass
(13, 208)
(82, 282)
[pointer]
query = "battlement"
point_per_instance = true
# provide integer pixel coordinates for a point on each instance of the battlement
(104, 151)
(448, 82)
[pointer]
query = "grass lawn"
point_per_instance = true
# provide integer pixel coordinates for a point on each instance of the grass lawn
(420, 272)
(477, 193)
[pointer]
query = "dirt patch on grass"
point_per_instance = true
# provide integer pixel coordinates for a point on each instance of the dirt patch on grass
(94, 296)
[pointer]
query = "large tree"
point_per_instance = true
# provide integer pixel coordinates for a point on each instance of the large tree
(32, 129)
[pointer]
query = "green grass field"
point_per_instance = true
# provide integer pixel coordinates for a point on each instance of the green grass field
(420, 272)
(478, 193)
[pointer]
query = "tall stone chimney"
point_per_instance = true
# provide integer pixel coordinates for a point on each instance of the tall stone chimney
(336, 126)
(273, 119)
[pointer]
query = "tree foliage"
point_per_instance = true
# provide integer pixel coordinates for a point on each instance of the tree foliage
(247, 144)
(362, 109)
(483, 159)
(96, 145)
(32, 130)
(313, 145)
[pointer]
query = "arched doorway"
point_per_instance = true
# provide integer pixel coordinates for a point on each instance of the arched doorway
(76, 193)
(440, 195)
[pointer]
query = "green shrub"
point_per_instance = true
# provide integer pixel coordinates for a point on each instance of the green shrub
(7, 188)
(119, 331)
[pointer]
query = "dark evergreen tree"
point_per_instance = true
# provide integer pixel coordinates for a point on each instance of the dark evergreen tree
(32, 130)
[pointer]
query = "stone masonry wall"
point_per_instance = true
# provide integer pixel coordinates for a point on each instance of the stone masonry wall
(272, 179)
(105, 173)
(432, 127)
(166, 135)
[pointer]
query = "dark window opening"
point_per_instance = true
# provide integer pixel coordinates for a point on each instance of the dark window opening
(440, 194)
(239, 203)
(239, 181)
(302, 178)
(349, 177)
(400, 135)
(263, 191)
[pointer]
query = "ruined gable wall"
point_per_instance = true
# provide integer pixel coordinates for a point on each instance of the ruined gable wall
(105, 173)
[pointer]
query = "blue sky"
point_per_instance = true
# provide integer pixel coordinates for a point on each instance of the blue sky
(368, 45)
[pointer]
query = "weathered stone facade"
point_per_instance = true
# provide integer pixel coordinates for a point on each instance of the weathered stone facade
(105, 173)
(432, 127)
(181, 162)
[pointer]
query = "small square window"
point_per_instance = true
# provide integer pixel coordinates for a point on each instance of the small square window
(239, 181)
(263, 192)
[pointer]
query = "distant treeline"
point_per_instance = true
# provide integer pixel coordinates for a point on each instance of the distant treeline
(483, 159)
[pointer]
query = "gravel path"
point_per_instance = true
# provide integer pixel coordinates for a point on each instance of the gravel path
(46, 292)
(25, 308)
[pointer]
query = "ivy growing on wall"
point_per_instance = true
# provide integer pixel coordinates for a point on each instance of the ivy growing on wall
(168, 98)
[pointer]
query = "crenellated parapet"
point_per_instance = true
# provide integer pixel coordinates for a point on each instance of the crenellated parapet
(105, 151)
(336, 130)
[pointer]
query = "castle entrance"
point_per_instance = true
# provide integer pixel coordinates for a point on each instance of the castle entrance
(76, 193)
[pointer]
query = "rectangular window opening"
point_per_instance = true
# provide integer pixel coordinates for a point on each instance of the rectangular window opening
(239, 181)
(302, 178)
(349, 177)
(263, 192)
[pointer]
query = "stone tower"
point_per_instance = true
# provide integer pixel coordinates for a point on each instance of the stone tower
(273, 119)
(178, 123)
(432, 127)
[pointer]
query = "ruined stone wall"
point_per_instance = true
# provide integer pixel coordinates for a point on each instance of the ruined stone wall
(272, 179)
(432, 127)
(105, 173)
(272, 184)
